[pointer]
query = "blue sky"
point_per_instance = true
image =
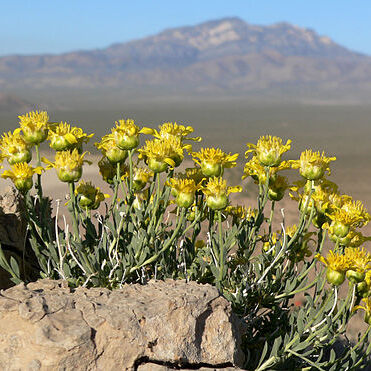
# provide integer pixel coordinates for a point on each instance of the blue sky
(56, 26)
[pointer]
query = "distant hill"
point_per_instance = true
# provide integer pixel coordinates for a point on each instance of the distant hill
(11, 103)
(221, 57)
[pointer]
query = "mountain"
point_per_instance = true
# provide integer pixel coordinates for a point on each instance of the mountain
(221, 57)
(14, 104)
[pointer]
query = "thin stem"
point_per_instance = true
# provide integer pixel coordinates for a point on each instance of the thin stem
(131, 171)
(306, 360)
(221, 248)
(38, 163)
(166, 246)
(74, 212)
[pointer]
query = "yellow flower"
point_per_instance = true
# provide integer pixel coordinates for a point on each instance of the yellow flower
(213, 161)
(269, 150)
(336, 265)
(109, 149)
(361, 259)
(21, 175)
(68, 165)
(159, 154)
(169, 129)
(239, 213)
(301, 250)
(64, 137)
(368, 278)
(90, 197)
(109, 171)
(269, 242)
(216, 192)
(277, 187)
(34, 126)
(141, 177)
(335, 261)
(184, 191)
(258, 172)
(366, 308)
(194, 173)
(14, 148)
(350, 214)
(312, 165)
(126, 134)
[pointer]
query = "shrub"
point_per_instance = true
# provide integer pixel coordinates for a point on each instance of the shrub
(162, 223)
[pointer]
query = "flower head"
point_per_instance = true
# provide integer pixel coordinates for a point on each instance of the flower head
(109, 170)
(90, 196)
(277, 187)
(312, 165)
(34, 126)
(126, 134)
(360, 258)
(169, 129)
(162, 153)
(213, 161)
(21, 174)
(64, 137)
(350, 214)
(336, 265)
(141, 177)
(216, 192)
(14, 148)
(269, 150)
(239, 213)
(258, 172)
(366, 308)
(109, 149)
(68, 165)
(184, 191)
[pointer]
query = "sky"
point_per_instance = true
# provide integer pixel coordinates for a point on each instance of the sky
(57, 26)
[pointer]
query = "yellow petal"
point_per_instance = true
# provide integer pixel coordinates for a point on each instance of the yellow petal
(147, 131)
(70, 138)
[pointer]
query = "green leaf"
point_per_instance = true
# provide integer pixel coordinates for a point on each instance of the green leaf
(264, 353)
(15, 266)
(276, 345)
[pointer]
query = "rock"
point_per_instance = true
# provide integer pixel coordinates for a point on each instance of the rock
(12, 229)
(47, 326)
(12, 224)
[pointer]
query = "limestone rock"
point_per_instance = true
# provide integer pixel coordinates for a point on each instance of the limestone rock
(12, 225)
(47, 326)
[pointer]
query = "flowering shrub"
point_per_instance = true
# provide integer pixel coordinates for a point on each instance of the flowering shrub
(163, 223)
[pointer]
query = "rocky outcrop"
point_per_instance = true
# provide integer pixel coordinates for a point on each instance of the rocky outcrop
(12, 229)
(47, 326)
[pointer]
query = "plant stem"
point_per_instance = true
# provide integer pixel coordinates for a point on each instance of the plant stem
(167, 244)
(75, 221)
(131, 172)
(38, 163)
(221, 248)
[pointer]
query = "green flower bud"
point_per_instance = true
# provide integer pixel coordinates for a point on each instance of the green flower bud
(336, 278)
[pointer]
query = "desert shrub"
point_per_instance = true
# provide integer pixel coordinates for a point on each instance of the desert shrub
(161, 223)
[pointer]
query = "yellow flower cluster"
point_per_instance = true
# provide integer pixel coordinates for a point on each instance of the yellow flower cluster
(353, 264)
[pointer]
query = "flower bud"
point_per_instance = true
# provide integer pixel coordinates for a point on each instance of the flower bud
(354, 276)
(217, 202)
(211, 169)
(157, 166)
(116, 155)
(185, 200)
(336, 278)
(339, 229)
(23, 184)
(22, 156)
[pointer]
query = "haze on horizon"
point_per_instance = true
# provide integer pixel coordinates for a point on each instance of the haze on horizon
(41, 26)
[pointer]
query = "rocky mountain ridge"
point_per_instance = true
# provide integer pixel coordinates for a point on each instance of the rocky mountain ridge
(227, 56)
